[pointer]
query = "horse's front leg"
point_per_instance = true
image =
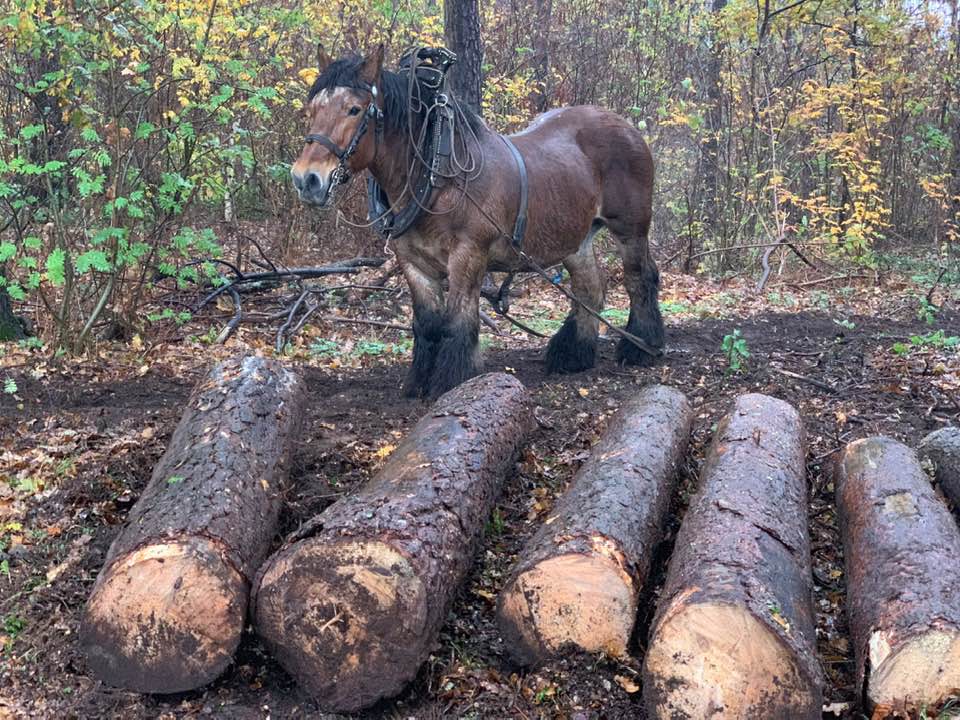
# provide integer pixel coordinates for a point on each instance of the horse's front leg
(428, 314)
(458, 357)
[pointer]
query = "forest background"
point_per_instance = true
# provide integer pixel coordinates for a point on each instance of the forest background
(137, 138)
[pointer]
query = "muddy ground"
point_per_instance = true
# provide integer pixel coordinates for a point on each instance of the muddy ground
(89, 432)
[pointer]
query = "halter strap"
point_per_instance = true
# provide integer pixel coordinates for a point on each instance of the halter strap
(342, 172)
(327, 143)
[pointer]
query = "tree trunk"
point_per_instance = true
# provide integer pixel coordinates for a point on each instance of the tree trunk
(578, 579)
(901, 547)
(461, 21)
(734, 634)
(352, 606)
(169, 606)
(541, 54)
(713, 181)
(942, 448)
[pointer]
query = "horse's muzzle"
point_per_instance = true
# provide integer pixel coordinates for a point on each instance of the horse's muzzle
(312, 187)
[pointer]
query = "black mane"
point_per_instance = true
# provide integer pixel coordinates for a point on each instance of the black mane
(345, 72)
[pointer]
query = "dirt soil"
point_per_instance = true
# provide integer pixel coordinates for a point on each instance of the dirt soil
(79, 439)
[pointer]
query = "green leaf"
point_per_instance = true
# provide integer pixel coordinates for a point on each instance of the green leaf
(104, 234)
(55, 267)
(31, 131)
(144, 130)
(7, 250)
(90, 135)
(32, 242)
(16, 292)
(96, 259)
(10, 386)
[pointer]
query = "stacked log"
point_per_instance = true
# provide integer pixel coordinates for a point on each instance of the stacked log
(169, 605)
(578, 580)
(901, 547)
(353, 605)
(733, 636)
(942, 449)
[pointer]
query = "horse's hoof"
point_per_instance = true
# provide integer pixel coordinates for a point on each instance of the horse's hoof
(413, 388)
(570, 353)
(630, 354)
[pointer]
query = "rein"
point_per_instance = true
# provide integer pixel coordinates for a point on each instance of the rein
(639, 343)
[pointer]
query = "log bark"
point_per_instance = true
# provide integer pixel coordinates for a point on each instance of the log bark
(579, 578)
(942, 448)
(734, 633)
(352, 606)
(169, 605)
(901, 549)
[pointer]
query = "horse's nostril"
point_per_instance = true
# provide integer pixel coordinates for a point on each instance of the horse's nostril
(313, 180)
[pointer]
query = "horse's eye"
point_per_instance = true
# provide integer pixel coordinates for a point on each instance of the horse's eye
(355, 110)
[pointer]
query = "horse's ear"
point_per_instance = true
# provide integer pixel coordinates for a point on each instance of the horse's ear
(372, 65)
(323, 60)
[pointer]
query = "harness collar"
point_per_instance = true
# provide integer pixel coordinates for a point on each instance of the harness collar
(427, 68)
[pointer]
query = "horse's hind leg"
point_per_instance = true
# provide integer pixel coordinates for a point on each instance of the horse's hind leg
(642, 280)
(574, 346)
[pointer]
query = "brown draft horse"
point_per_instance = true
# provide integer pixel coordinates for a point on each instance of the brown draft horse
(587, 168)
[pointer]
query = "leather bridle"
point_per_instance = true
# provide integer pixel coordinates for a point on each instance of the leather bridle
(341, 173)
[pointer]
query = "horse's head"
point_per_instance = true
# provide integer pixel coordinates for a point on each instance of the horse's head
(344, 116)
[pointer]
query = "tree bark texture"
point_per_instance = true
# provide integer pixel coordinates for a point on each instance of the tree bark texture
(353, 605)
(942, 449)
(461, 21)
(901, 548)
(578, 579)
(169, 605)
(734, 633)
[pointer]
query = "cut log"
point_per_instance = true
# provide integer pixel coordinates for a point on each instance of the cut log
(352, 606)
(942, 448)
(578, 579)
(901, 548)
(169, 605)
(733, 636)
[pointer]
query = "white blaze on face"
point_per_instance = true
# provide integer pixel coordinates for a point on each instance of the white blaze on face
(325, 96)
(320, 100)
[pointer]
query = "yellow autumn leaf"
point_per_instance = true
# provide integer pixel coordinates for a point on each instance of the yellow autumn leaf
(627, 683)
(384, 451)
(308, 75)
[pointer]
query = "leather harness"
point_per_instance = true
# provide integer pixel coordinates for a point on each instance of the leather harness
(520, 227)
(430, 66)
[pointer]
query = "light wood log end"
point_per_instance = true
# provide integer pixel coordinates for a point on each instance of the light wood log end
(922, 672)
(717, 660)
(344, 617)
(585, 601)
(165, 618)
